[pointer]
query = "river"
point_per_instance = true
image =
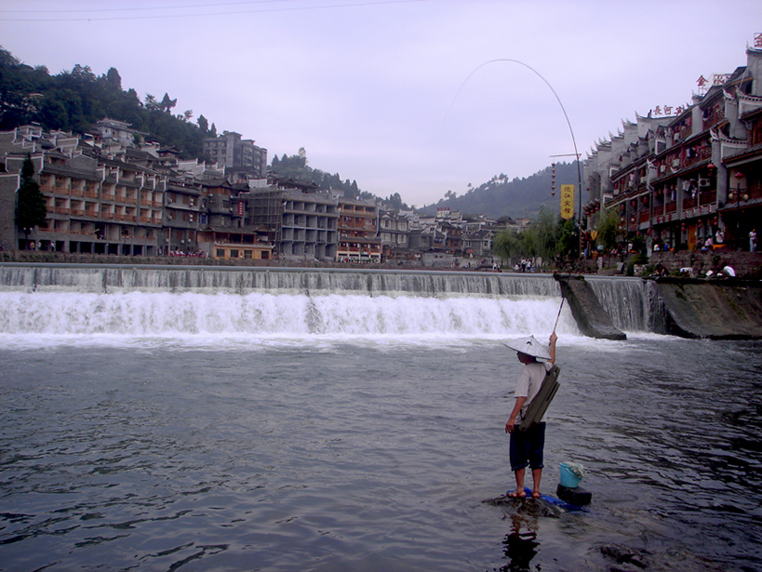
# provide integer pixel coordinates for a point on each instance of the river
(282, 431)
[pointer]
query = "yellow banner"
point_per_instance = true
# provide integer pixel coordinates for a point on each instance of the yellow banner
(567, 202)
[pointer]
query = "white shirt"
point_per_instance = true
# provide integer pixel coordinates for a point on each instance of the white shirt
(529, 382)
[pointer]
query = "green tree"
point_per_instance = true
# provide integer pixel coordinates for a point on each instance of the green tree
(30, 203)
(549, 237)
(568, 239)
(203, 124)
(507, 244)
(167, 103)
(547, 233)
(607, 225)
(114, 79)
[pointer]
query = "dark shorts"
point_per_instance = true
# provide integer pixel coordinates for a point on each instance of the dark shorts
(527, 447)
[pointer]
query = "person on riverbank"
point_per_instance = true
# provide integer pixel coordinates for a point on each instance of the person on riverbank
(527, 445)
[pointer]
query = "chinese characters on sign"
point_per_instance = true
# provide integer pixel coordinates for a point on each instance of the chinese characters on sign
(667, 110)
(701, 83)
(758, 41)
(567, 202)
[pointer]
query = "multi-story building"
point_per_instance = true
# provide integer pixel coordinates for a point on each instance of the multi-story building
(230, 151)
(358, 230)
(95, 204)
(107, 197)
(309, 227)
(112, 131)
(680, 180)
(394, 232)
(182, 214)
(226, 230)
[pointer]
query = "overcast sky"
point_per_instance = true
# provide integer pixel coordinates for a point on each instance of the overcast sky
(396, 94)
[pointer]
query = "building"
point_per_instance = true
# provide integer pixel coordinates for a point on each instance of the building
(232, 152)
(358, 231)
(95, 204)
(309, 226)
(692, 179)
(114, 132)
(182, 214)
(394, 232)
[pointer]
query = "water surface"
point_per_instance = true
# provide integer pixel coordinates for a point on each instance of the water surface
(213, 450)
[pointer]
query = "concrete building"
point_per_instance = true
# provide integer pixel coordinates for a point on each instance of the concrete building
(230, 151)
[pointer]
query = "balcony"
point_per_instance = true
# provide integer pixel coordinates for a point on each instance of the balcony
(708, 197)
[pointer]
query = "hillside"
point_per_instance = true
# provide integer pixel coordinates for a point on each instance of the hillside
(515, 198)
(74, 101)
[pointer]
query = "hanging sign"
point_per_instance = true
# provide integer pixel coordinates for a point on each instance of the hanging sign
(567, 202)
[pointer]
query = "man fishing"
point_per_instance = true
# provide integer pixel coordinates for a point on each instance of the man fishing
(527, 444)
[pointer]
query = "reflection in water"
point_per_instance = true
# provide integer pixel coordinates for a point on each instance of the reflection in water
(521, 545)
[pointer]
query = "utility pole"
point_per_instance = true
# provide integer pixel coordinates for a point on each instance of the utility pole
(579, 183)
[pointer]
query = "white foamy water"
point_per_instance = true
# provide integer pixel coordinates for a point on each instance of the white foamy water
(30, 317)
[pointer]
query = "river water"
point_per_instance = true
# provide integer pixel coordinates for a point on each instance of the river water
(155, 431)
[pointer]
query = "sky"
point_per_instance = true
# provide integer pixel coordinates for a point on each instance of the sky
(416, 97)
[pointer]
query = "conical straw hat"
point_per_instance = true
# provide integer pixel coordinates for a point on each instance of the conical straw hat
(529, 346)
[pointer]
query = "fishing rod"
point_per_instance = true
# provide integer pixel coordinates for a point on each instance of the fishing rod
(559, 313)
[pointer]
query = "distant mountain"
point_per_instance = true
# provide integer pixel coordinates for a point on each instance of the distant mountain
(515, 198)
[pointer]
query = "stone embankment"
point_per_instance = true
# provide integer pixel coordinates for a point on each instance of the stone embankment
(689, 308)
(721, 309)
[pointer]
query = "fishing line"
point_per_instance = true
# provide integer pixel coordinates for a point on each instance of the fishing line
(568, 122)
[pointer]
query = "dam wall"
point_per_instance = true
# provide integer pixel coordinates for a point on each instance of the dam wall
(603, 307)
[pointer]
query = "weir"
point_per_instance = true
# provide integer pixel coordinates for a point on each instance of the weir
(233, 280)
(66, 298)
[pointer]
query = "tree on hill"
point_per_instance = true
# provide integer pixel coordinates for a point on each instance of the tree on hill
(514, 198)
(30, 202)
(75, 100)
(296, 167)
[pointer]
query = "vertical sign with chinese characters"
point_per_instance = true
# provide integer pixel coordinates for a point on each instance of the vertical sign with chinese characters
(567, 202)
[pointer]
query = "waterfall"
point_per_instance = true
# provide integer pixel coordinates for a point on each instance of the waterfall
(88, 300)
(627, 301)
(93, 303)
